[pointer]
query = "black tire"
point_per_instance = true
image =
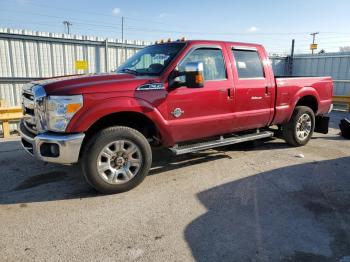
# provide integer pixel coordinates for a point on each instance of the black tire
(93, 148)
(290, 128)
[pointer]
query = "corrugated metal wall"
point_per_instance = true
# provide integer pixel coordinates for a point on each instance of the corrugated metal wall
(336, 65)
(26, 55)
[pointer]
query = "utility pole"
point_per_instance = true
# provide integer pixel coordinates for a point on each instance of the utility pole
(125, 53)
(122, 29)
(291, 58)
(67, 25)
(313, 40)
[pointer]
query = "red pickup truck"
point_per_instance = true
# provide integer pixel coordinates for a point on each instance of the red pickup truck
(183, 95)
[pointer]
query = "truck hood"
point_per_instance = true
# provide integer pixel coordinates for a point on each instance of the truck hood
(93, 83)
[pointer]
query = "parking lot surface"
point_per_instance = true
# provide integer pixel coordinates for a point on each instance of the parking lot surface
(261, 201)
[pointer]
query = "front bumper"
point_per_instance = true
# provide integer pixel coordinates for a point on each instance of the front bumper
(52, 147)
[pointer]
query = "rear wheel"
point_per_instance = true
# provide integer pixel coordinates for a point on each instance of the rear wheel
(298, 131)
(116, 159)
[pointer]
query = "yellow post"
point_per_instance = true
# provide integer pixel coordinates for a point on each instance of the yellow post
(2, 103)
(342, 100)
(8, 114)
(6, 129)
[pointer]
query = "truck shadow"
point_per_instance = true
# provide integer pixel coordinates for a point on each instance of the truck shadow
(25, 180)
(295, 213)
(164, 160)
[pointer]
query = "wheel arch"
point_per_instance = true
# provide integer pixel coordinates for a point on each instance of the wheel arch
(309, 101)
(307, 96)
(132, 119)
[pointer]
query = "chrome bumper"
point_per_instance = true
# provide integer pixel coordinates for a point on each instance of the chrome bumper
(66, 147)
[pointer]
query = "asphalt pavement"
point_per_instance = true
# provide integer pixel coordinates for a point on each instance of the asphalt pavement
(258, 201)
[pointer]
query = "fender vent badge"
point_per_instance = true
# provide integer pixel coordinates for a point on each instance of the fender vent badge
(177, 112)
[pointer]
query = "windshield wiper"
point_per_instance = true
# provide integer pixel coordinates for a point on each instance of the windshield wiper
(130, 71)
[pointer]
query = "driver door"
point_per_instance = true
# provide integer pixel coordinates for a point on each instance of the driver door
(194, 113)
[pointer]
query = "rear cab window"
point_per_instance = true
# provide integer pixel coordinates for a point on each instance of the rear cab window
(248, 64)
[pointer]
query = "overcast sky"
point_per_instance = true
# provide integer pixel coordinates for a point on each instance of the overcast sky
(272, 23)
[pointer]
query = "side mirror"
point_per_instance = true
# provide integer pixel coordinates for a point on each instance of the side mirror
(194, 74)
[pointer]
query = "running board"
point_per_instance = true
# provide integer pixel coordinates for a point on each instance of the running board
(184, 149)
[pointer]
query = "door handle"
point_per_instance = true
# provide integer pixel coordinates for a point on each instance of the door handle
(229, 93)
(228, 90)
(266, 90)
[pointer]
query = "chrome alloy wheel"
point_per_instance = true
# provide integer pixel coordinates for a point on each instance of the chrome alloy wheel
(119, 162)
(303, 127)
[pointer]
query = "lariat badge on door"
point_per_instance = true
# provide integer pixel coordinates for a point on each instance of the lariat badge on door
(177, 112)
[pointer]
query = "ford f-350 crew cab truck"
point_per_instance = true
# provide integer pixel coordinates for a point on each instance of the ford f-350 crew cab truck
(183, 95)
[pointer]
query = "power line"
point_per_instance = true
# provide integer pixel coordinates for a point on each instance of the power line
(55, 25)
(285, 36)
(153, 21)
(327, 43)
(149, 20)
(134, 29)
(58, 17)
(149, 29)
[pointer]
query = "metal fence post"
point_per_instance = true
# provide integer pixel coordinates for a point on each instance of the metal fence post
(106, 56)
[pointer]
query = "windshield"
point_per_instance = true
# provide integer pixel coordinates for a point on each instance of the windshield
(151, 60)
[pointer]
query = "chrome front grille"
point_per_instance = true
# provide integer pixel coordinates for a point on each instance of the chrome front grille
(28, 108)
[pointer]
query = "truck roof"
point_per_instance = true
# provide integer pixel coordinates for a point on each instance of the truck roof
(214, 42)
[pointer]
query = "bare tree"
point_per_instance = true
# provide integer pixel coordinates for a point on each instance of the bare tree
(344, 49)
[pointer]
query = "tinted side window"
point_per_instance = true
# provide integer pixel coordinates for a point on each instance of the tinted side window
(213, 62)
(248, 64)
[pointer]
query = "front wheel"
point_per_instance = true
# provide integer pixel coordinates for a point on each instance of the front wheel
(116, 159)
(298, 131)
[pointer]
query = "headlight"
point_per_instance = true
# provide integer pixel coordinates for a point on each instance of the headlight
(61, 109)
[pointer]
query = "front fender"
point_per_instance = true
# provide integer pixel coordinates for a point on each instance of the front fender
(94, 110)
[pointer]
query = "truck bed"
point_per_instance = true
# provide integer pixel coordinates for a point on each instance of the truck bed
(289, 90)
